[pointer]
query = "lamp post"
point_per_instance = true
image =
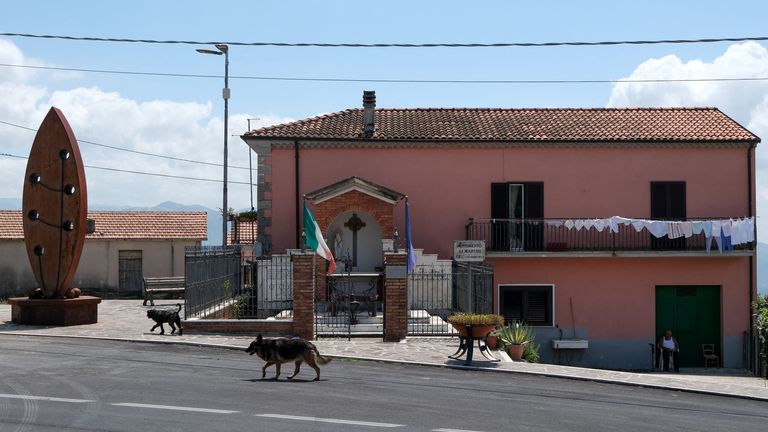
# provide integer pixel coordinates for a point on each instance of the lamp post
(223, 49)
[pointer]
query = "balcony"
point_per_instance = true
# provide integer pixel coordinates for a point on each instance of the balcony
(526, 237)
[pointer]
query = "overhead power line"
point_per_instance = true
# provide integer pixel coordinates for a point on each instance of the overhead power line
(143, 172)
(387, 80)
(392, 45)
(129, 150)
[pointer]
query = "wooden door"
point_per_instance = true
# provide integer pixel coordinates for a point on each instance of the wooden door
(130, 272)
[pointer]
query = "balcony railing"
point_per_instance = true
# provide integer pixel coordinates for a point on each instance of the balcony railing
(554, 235)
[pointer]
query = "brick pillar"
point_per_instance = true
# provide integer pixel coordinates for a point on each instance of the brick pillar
(321, 291)
(303, 298)
(395, 297)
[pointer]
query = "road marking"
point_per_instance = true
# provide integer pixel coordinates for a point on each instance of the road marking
(175, 408)
(43, 398)
(454, 430)
(330, 420)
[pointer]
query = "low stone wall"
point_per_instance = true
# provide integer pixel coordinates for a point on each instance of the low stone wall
(265, 326)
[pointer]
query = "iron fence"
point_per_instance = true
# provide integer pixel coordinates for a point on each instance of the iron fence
(435, 292)
(267, 289)
(212, 279)
(553, 235)
(473, 285)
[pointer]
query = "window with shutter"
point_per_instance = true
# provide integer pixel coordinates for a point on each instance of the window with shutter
(532, 304)
(537, 308)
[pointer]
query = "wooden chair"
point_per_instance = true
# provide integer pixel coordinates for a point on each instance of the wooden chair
(709, 355)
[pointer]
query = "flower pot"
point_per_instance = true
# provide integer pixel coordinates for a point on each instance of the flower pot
(492, 341)
(478, 331)
(515, 351)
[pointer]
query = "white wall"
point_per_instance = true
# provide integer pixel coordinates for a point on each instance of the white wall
(16, 276)
(369, 247)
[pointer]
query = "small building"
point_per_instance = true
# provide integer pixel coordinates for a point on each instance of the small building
(541, 188)
(126, 246)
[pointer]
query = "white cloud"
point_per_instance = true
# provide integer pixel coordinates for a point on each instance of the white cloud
(738, 99)
(187, 130)
(745, 101)
(11, 54)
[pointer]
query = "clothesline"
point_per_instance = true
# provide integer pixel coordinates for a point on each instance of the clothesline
(726, 232)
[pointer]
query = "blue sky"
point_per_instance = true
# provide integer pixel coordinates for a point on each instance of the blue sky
(183, 116)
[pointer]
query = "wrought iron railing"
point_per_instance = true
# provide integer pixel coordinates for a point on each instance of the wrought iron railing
(213, 279)
(555, 235)
(267, 288)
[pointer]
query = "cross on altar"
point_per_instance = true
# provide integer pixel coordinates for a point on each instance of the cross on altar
(355, 224)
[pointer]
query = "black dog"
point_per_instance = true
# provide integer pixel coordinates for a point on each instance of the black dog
(161, 316)
(283, 350)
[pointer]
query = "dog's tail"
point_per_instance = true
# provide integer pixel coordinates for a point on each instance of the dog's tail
(320, 359)
(179, 307)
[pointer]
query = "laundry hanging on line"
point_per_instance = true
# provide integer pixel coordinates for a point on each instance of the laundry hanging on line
(726, 232)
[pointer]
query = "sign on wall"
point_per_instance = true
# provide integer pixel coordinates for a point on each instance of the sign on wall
(469, 250)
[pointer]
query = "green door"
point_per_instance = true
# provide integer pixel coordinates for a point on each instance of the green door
(693, 315)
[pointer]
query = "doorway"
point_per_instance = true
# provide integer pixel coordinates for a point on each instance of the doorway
(130, 272)
(693, 314)
(517, 210)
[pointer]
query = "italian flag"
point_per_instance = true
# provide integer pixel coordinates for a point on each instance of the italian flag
(315, 239)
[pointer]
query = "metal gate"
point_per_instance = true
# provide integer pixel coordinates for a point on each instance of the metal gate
(130, 273)
(348, 304)
(436, 292)
(473, 287)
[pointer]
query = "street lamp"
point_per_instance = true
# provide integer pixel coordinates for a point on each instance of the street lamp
(223, 49)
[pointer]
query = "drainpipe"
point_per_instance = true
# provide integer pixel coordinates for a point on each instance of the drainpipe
(751, 257)
(298, 192)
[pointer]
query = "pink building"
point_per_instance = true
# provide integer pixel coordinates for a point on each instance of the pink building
(526, 181)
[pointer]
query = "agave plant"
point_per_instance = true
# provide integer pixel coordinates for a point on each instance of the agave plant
(515, 333)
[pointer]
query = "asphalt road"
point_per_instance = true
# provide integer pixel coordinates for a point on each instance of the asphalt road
(49, 384)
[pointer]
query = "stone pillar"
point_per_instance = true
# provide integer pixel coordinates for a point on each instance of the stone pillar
(395, 297)
(303, 295)
(264, 194)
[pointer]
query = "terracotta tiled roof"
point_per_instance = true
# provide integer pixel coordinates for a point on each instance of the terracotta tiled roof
(538, 124)
(126, 225)
(243, 232)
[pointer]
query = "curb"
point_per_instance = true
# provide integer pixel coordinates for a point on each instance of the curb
(671, 387)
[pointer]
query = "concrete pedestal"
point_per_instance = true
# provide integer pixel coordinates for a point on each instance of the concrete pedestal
(55, 312)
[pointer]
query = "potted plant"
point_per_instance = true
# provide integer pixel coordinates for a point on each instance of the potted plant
(515, 336)
(492, 340)
(482, 324)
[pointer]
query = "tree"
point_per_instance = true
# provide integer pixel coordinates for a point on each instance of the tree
(761, 323)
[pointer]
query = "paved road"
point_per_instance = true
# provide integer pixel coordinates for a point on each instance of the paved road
(49, 384)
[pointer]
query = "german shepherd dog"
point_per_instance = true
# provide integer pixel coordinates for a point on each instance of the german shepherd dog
(283, 350)
(161, 316)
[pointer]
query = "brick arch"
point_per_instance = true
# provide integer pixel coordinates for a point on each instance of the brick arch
(382, 211)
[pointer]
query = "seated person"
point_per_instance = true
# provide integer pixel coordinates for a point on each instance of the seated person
(669, 347)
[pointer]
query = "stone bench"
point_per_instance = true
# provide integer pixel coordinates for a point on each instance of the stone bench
(161, 285)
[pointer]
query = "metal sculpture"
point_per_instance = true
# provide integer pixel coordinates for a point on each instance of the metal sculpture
(54, 209)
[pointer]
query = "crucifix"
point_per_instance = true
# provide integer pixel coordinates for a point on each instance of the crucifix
(355, 224)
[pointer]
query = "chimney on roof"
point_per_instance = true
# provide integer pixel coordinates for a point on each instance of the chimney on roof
(369, 105)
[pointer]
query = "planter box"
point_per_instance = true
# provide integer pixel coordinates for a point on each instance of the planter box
(570, 344)
(478, 331)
